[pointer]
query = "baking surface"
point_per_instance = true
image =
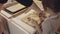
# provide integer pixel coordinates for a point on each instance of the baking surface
(31, 15)
(15, 7)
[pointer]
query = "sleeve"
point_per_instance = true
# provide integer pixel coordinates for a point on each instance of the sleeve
(47, 27)
(3, 1)
(26, 3)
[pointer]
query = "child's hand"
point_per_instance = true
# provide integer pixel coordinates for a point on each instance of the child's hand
(34, 22)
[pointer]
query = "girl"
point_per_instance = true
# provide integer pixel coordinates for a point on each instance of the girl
(52, 23)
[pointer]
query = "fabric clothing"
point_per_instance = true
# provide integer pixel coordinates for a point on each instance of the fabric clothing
(3, 1)
(26, 3)
(0, 30)
(51, 24)
(3, 26)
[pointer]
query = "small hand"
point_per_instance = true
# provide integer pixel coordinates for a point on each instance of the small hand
(37, 27)
(34, 22)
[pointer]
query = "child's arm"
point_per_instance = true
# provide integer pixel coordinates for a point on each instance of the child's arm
(2, 2)
(36, 8)
(36, 26)
(1, 6)
(38, 29)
